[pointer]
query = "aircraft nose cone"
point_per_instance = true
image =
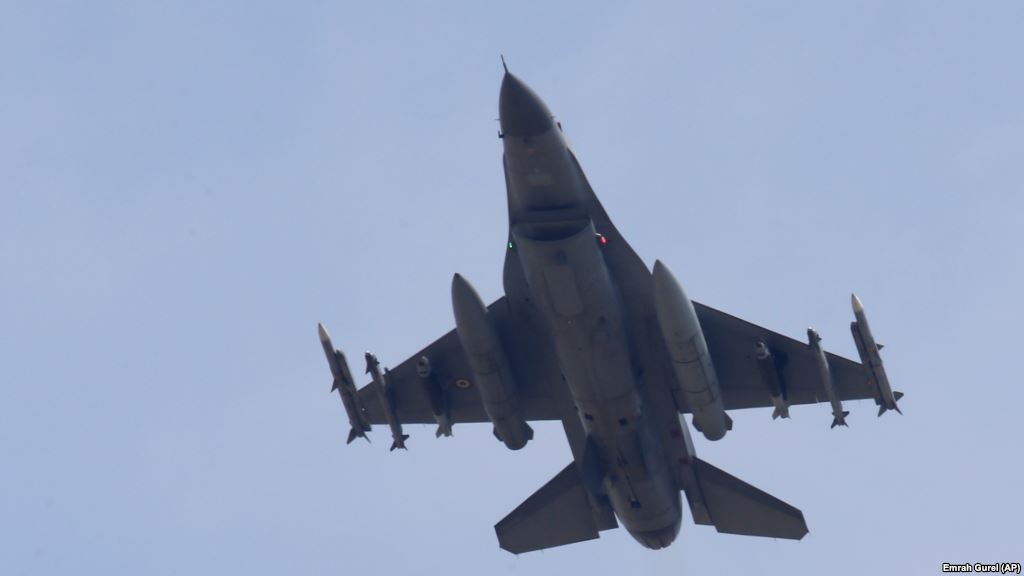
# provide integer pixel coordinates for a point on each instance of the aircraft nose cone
(522, 112)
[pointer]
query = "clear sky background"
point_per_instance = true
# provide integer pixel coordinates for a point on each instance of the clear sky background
(186, 188)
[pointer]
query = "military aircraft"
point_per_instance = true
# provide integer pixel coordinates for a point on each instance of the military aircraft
(587, 335)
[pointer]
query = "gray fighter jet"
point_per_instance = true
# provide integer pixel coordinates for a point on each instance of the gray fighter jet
(587, 335)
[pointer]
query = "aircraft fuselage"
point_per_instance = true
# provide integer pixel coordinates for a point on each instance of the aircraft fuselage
(573, 289)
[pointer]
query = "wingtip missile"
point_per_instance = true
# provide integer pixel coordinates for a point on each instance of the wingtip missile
(345, 386)
(868, 350)
(343, 383)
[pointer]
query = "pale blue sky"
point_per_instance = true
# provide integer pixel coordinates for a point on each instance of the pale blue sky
(187, 188)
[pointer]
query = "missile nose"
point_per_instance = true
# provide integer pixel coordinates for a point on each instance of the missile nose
(857, 306)
(522, 112)
(324, 337)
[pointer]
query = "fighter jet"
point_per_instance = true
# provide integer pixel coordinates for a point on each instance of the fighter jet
(588, 336)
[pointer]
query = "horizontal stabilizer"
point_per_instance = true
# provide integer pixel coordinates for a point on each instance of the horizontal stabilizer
(557, 514)
(736, 507)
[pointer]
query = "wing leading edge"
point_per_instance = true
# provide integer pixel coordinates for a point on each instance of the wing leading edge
(733, 343)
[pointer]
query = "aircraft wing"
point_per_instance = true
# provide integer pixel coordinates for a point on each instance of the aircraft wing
(452, 389)
(731, 342)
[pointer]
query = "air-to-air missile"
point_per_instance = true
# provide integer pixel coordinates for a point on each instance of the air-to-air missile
(695, 373)
(345, 386)
(826, 378)
(380, 381)
(872, 360)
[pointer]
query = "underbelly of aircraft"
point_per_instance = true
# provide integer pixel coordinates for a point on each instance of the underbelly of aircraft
(573, 288)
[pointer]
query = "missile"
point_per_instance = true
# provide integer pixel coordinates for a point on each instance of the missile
(770, 375)
(386, 401)
(346, 388)
(489, 364)
(826, 379)
(694, 371)
(868, 349)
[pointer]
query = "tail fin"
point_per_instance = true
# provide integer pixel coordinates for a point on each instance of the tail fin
(736, 507)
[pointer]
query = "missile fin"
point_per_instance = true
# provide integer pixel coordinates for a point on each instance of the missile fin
(882, 409)
(399, 443)
(840, 420)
